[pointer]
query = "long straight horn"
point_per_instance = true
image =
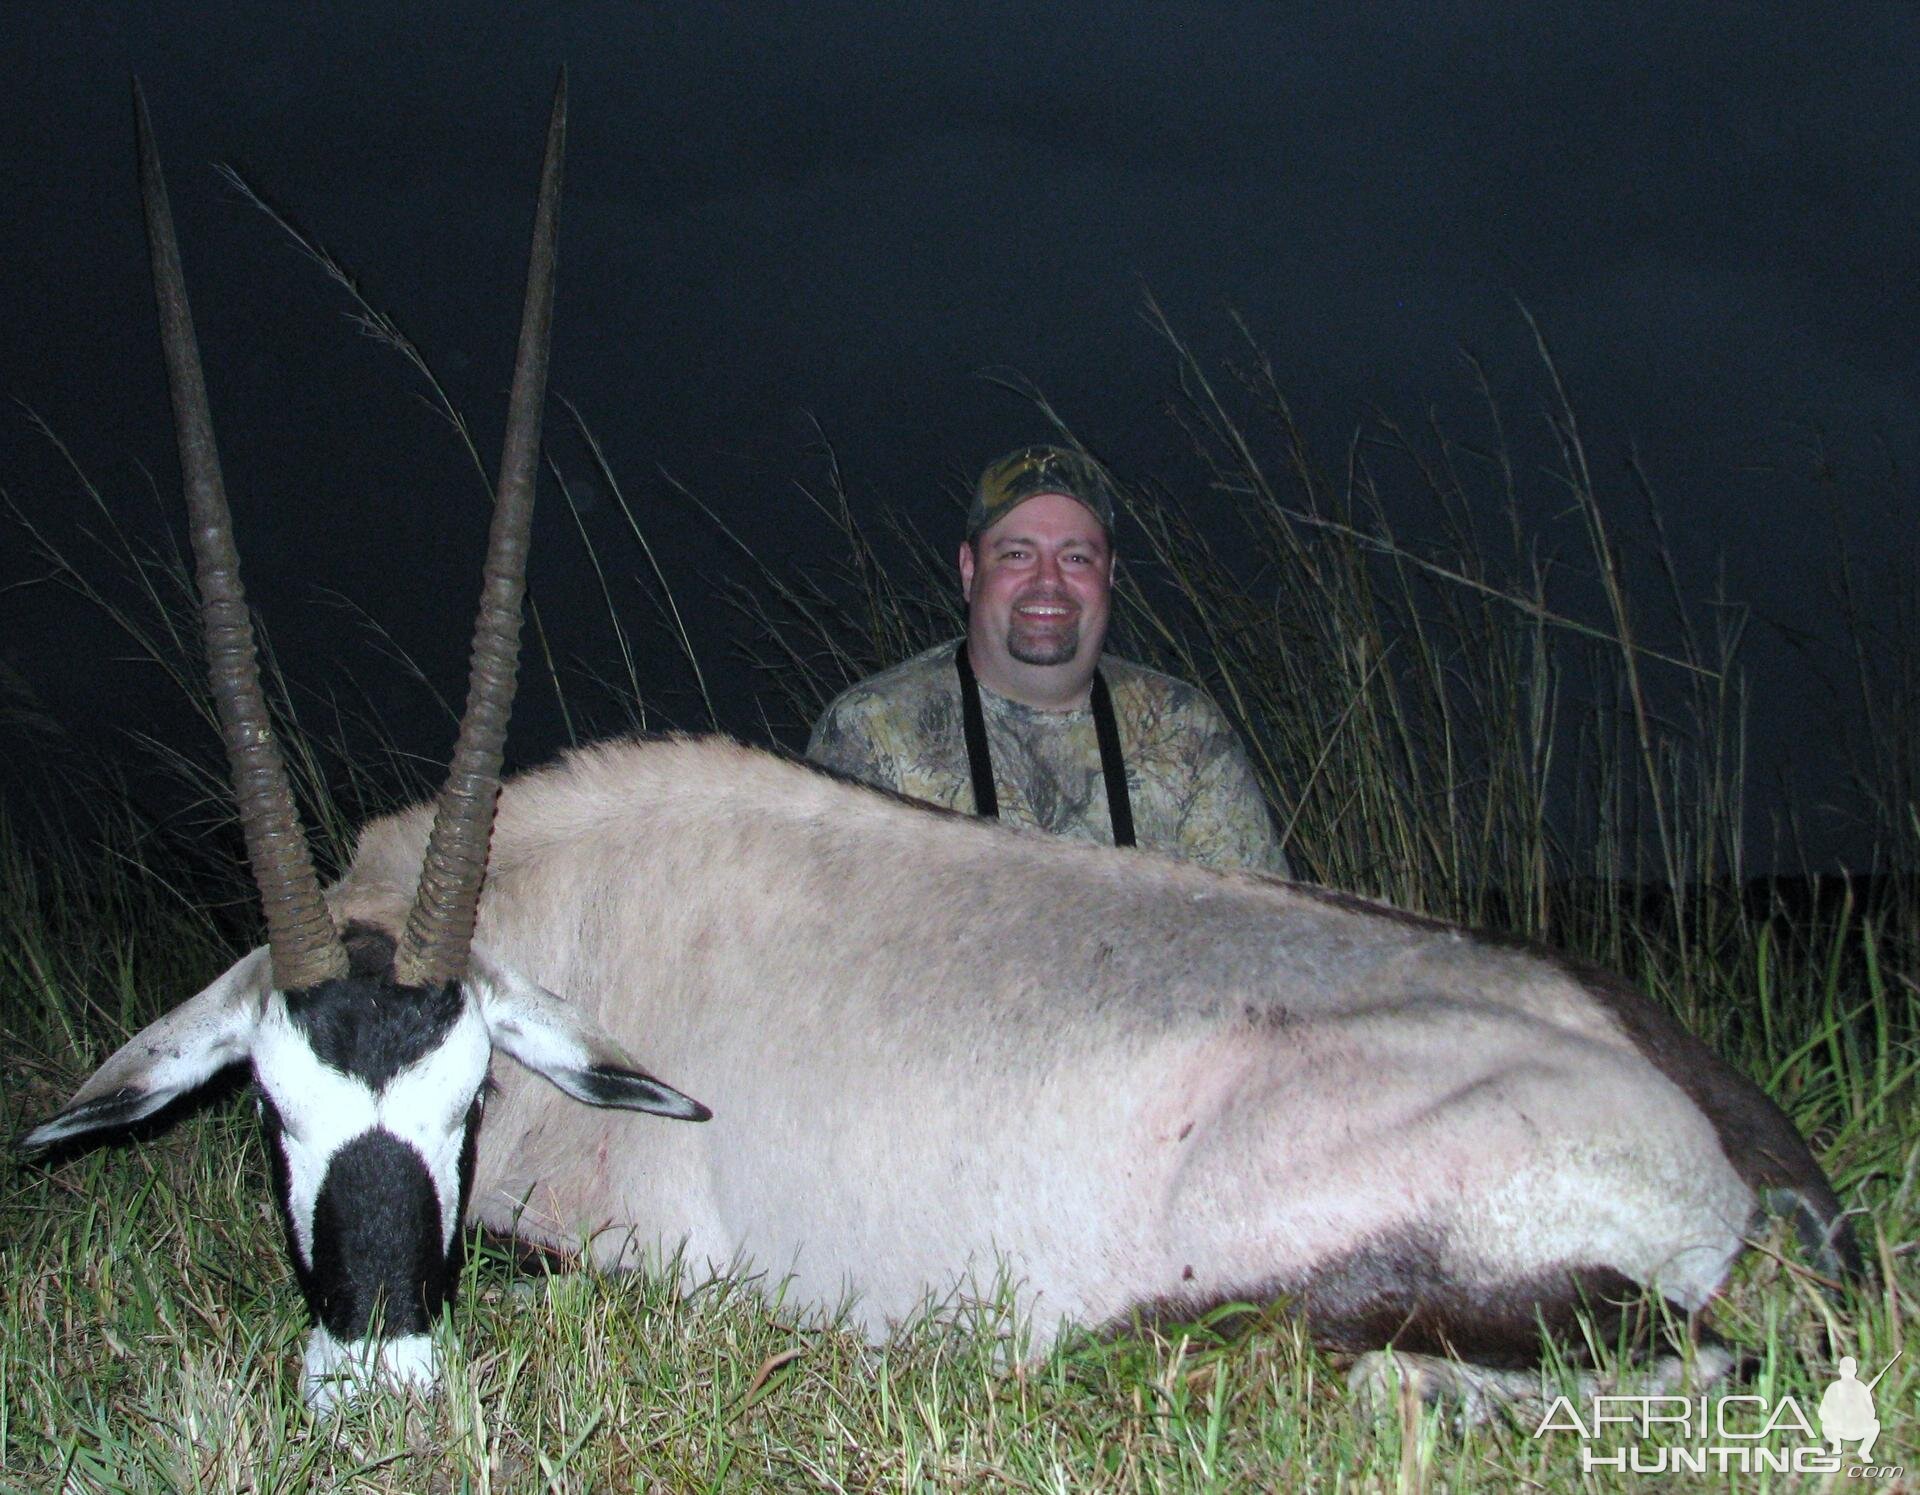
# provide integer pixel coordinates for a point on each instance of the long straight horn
(306, 949)
(439, 928)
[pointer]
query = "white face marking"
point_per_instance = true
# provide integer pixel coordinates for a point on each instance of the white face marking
(321, 1110)
(336, 1373)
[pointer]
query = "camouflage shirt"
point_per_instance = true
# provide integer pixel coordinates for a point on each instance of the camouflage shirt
(1192, 791)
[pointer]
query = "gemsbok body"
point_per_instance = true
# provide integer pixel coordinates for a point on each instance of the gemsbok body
(940, 1055)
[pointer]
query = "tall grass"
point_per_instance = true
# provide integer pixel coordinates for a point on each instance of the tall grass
(1471, 722)
(1460, 724)
(150, 1332)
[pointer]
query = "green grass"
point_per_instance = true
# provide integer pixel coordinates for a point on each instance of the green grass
(1458, 726)
(151, 1341)
(150, 1330)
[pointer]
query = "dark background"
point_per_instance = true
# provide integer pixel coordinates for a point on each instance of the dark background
(789, 219)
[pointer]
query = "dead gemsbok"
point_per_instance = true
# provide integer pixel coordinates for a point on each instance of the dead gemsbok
(938, 1052)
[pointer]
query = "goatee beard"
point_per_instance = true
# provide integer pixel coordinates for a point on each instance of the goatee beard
(1049, 648)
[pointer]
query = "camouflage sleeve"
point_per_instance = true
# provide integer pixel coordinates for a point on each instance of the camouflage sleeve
(844, 740)
(1227, 822)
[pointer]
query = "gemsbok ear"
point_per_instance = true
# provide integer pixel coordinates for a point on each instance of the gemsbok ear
(558, 1041)
(168, 1057)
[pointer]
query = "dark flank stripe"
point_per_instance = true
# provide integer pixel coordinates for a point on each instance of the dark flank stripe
(1395, 1292)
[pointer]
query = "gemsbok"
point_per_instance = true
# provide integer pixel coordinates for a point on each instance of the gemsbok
(938, 1052)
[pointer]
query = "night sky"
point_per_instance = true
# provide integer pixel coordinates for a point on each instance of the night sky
(788, 218)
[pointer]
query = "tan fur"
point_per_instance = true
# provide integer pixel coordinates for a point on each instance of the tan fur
(933, 1045)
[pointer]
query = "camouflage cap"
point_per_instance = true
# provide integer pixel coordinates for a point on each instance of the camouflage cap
(1029, 471)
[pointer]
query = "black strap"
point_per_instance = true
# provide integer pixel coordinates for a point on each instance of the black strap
(1113, 767)
(986, 803)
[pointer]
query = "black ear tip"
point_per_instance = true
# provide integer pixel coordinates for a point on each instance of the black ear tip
(28, 1144)
(636, 1090)
(57, 1132)
(676, 1106)
(104, 1113)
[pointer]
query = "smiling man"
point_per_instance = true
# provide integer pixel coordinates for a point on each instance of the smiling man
(1026, 720)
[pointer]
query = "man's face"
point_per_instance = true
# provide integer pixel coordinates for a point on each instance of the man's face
(1038, 589)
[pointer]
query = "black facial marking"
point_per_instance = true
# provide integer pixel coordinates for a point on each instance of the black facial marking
(365, 1026)
(369, 950)
(377, 1253)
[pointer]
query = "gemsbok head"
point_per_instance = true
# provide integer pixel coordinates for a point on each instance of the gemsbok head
(370, 1052)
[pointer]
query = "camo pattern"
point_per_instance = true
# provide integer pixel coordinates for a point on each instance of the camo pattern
(1192, 791)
